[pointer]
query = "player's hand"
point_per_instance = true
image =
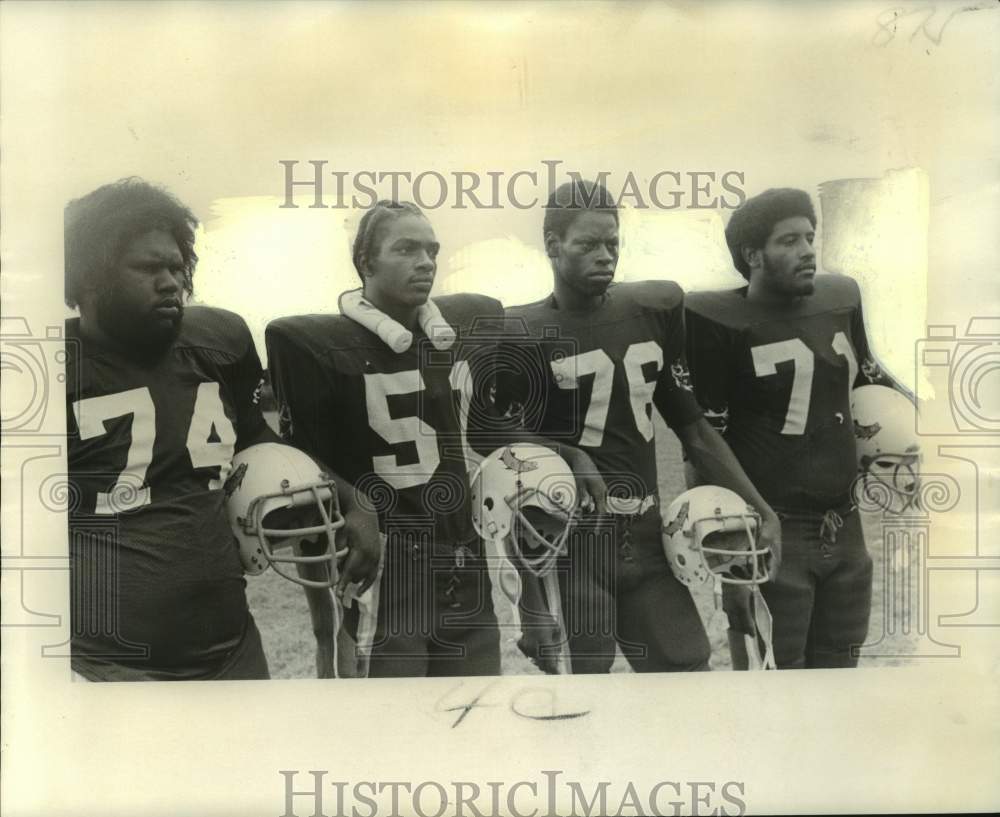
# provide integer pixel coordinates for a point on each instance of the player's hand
(538, 642)
(770, 536)
(736, 604)
(590, 486)
(360, 534)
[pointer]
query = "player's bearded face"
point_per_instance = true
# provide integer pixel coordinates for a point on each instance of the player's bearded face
(403, 269)
(586, 257)
(140, 301)
(789, 259)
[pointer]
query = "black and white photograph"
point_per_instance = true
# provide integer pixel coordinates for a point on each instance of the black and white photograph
(511, 408)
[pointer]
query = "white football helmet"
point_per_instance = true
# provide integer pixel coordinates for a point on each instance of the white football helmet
(277, 495)
(525, 495)
(887, 445)
(710, 534)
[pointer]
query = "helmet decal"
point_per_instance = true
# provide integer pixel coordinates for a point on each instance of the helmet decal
(509, 459)
(866, 432)
(235, 479)
(681, 375)
(677, 523)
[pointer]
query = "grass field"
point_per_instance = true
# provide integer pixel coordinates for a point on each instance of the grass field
(283, 616)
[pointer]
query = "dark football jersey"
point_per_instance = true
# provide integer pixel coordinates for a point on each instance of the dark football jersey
(393, 424)
(591, 378)
(156, 568)
(776, 380)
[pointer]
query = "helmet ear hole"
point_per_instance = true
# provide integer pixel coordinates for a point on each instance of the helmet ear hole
(488, 503)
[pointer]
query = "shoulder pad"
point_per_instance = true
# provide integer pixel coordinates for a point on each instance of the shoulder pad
(209, 327)
(834, 291)
(726, 306)
(315, 334)
(653, 295)
(525, 310)
(467, 311)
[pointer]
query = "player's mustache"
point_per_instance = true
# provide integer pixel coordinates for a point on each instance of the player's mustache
(169, 302)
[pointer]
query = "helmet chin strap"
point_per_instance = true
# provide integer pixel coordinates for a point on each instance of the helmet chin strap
(547, 574)
(338, 618)
(753, 545)
(764, 633)
(522, 525)
(763, 623)
(717, 585)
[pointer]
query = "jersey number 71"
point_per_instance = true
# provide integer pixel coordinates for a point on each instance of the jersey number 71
(767, 357)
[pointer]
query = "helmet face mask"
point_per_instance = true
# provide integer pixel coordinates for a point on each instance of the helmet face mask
(283, 500)
(711, 535)
(538, 537)
(892, 480)
(732, 554)
(525, 497)
(296, 505)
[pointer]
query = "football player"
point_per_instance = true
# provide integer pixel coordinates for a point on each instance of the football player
(603, 356)
(384, 393)
(159, 396)
(773, 365)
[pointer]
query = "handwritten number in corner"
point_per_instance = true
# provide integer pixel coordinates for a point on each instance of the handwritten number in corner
(890, 20)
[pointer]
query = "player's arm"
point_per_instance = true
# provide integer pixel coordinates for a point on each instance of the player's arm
(252, 429)
(717, 465)
(708, 453)
(247, 384)
(715, 462)
(707, 355)
(298, 388)
(870, 371)
(590, 485)
(264, 434)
